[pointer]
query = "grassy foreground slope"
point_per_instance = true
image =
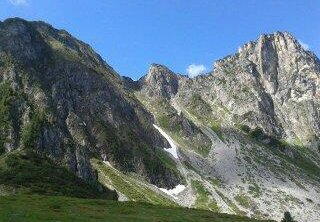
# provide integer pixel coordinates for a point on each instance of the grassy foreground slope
(54, 208)
(25, 172)
(133, 188)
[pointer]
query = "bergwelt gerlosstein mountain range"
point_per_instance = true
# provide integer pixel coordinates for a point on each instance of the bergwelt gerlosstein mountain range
(242, 139)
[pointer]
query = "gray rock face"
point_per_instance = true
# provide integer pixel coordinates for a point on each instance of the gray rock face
(73, 106)
(272, 84)
(160, 82)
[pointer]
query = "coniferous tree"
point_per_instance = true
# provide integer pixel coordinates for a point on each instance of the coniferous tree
(287, 217)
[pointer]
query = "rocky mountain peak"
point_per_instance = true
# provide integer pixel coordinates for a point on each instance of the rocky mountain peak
(160, 81)
(283, 41)
(21, 41)
(158, 68)
(271, 57)
(277, 75)
(160, 72)
(282, 37)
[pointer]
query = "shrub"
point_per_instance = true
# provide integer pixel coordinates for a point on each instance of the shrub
(7, 97)
(244, 128)
(287, 217)
(32, 130)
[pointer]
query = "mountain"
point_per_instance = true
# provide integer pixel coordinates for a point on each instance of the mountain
(243, 139)
(59, 98)
(259, 109)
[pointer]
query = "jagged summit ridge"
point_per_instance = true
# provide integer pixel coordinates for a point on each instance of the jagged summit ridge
(274, 68)
(259, 83)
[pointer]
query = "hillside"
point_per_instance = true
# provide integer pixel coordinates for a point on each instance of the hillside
(43, 208)
(59, 98)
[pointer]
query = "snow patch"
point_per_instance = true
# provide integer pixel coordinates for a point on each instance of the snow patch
(107, 163)
(173, 149)
(175, 191)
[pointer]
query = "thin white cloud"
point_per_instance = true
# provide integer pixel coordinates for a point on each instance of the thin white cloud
(304, 45)
(19, 2)
(194, 70)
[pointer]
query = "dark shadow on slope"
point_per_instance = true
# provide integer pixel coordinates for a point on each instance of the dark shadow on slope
(31, 173)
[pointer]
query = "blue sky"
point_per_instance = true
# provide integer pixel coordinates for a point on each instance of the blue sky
(185, 35)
